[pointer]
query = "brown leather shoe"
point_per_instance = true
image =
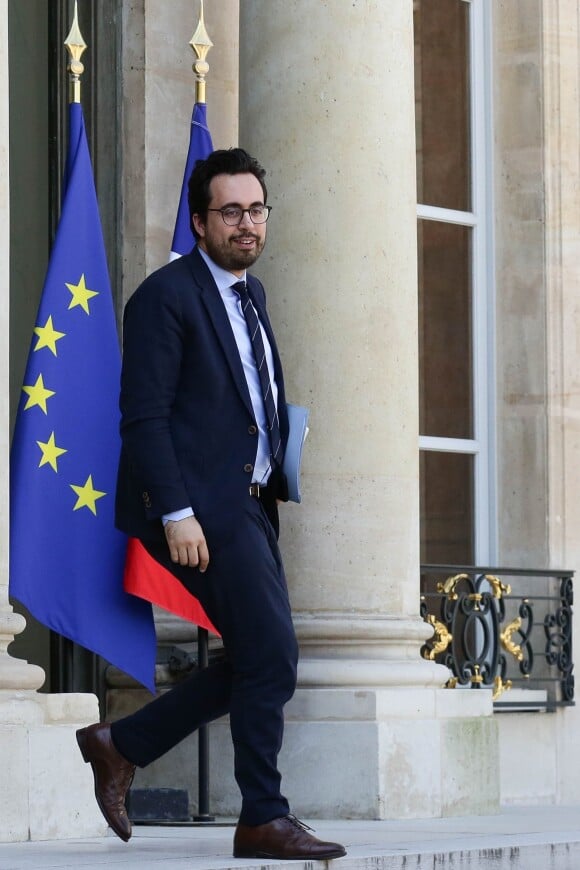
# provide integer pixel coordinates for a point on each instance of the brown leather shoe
(112, 773)
(284, 838)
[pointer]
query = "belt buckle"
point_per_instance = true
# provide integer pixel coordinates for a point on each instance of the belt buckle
(254, 489)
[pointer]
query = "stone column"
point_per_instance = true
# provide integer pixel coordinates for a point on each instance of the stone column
(158, 97)
(561, 139)
(327, 104)
(14, 674)
(44, 784)
(537, 208)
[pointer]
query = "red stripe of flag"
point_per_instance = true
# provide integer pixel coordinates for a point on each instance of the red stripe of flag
(146, 578)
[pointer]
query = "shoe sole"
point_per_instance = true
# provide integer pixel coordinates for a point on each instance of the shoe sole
(82, 742)
(307, 857)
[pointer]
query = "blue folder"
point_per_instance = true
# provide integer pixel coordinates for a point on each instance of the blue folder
(298, 430)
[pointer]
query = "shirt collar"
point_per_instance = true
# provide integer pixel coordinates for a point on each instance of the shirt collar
(222, 277)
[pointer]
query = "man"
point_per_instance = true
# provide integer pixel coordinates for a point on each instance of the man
(204, 427)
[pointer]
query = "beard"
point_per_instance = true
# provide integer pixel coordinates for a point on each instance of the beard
(225, 253)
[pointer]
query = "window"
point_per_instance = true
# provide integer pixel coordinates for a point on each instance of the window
(454, 267)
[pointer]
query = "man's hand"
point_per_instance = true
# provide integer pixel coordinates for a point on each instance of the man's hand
(187, 544)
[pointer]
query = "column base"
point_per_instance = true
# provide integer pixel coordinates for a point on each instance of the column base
(47, 790)
(391, 753)
(362, 754)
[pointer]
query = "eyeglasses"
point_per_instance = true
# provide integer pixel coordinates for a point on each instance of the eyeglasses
(233, 215)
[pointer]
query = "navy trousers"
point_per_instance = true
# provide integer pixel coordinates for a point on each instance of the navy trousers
(244, 593)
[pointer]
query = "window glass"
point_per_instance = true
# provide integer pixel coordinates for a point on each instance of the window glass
(445, 343)
(442, 103)
(446, 508)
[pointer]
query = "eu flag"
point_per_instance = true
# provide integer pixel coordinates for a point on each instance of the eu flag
(66, 557)
(143, 575)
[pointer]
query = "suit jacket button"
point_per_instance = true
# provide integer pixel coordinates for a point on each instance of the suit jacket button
(252, 430)
(248, 467)
(146, 499)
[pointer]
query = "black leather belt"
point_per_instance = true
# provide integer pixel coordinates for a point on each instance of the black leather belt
(258, 490)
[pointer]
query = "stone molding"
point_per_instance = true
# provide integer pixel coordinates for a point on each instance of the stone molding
(358, 650)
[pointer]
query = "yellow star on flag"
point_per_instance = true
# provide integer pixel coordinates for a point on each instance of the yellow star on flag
(81, 294)
(87, 495)
(50, 452)
(47, 336)
(37, 395)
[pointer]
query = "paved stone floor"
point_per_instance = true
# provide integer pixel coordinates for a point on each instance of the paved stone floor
(530, 838)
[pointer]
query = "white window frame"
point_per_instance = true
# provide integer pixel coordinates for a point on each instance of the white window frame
(483, 444)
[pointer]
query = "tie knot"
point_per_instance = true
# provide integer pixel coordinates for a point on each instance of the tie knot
(240, 288)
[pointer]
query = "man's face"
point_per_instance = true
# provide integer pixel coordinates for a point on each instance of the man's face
(232, 248)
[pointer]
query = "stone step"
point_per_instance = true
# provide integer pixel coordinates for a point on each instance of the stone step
(526, 838)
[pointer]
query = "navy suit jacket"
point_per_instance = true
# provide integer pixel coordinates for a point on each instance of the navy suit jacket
(189, 436)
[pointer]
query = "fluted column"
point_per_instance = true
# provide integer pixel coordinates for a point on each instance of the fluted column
(327, 103)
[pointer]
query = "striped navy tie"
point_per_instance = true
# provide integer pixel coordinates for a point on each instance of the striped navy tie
(255, 332)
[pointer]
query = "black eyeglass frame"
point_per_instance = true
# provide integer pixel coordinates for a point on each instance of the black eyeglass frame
(267, 209)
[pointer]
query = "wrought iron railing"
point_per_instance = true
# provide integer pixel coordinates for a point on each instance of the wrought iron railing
(502, 628)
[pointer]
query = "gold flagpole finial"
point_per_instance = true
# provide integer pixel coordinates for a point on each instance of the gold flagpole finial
(201, 44)
(75, 45)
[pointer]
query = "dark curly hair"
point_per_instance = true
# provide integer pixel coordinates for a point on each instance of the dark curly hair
(232, 161)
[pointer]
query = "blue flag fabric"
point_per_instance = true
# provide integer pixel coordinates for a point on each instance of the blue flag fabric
(66, 557)
(200, 147)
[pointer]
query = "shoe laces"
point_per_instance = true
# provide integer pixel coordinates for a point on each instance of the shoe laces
(127, 778)
(297, 823)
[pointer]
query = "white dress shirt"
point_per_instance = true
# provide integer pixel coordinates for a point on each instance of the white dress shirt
(224, 281)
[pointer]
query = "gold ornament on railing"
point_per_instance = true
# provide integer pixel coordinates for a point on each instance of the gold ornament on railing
(476, 677)
(499, 589)
(440, 640)
(506, 639)
(499, 687)
(449, 586)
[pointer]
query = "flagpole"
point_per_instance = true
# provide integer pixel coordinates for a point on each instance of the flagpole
(75, 46)
(201, 44)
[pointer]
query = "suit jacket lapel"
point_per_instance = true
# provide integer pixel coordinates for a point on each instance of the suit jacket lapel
(215, 308)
